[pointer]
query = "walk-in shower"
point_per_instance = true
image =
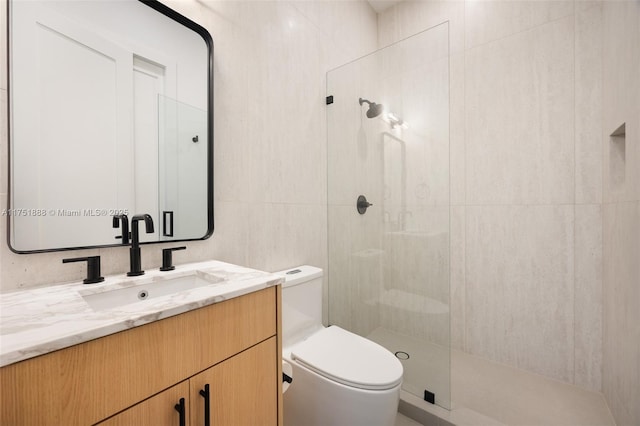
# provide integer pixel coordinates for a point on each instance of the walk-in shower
(389, 265)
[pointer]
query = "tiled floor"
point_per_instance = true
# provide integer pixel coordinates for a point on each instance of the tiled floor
(402, 420)
(484, 392)
(517, 397)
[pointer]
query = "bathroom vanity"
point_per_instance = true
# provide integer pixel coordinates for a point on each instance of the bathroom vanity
(203, 356)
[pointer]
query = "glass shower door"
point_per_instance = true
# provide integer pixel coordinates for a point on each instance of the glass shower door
(388, 140)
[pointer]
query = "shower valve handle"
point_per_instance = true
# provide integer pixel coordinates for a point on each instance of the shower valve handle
(362, 204)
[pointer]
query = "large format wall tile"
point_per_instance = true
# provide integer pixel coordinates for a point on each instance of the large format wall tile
(621, 94)
(519, 276)
(4, 141)
(588, 296)
(412, 17)
(519, 118)
(588, 105)
(457, 130)
(3, 45)
(489, 20)
(621, 343)
(457, 259)
(621, 210)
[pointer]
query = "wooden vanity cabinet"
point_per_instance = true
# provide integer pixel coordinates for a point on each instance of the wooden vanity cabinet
(241, 390)
(138, 376)
(158, 410)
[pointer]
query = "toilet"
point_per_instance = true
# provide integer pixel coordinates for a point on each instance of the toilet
(339, 378)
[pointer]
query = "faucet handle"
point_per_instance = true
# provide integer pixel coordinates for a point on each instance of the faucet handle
(93, 268)
(125, 235)
(167, 261)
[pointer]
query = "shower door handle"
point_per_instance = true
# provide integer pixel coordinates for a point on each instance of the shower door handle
(362, 204)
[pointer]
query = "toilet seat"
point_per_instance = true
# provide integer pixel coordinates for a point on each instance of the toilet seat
(349, 359)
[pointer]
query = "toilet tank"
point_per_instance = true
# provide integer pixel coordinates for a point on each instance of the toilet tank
(301, 303)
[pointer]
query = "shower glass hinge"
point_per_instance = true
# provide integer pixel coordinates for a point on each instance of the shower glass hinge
(429, 396)
(329, 100)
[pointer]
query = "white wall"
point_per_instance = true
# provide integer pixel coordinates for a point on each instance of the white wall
(526, 179)
(270, 62)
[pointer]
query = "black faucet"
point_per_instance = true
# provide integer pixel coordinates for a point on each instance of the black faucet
(134, 251)
(125, 227)
(93, 268)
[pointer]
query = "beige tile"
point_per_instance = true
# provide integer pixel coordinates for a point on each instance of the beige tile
(621, 211)
(519, 275)
(489, 20)
(353, 246)
(232, 143)
(296, 128)
(388, 27)
(402, 420)
(457, 277)
(231, 238)
(415, 299)
(416, 16)
(286, 235)
(519, 111)
(3, 45)
(621, 334)
(581, 5)
(354, 143)
(457, 135)
(517, 397)
(588, 105)
(588, 296)
(4, 142)
(621, 91)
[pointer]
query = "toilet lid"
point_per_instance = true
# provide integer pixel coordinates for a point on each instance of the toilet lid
(349, 359)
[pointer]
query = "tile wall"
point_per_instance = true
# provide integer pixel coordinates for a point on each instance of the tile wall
(545, 219)
(621, 210)
(270, 62)
(526, 190)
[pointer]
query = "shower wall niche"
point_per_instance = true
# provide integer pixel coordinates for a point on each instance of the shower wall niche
(388, 139)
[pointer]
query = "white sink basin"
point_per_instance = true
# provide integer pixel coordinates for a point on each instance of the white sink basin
(141, 293)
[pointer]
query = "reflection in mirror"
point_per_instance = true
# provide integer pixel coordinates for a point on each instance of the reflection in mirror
(110, 113)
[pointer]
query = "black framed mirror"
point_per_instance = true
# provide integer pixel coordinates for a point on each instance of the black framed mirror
(110, 112)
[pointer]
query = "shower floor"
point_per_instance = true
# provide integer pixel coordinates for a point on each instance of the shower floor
(488, 393)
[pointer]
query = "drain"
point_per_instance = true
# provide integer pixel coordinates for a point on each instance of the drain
(143, 294)
(402, 355)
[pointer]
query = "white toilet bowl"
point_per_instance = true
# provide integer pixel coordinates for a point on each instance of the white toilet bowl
(339, 378)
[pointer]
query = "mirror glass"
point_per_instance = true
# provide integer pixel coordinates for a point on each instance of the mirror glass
(110, 112)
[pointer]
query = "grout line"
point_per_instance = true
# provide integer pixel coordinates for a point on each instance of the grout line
(519, 32)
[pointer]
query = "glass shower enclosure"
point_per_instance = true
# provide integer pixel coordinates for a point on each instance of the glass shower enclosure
(388, 141)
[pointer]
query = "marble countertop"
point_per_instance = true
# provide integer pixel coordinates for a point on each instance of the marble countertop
(41, 320)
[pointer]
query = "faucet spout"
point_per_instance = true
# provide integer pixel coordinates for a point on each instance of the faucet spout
(134, 251)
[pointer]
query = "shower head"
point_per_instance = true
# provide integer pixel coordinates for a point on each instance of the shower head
(374, 108)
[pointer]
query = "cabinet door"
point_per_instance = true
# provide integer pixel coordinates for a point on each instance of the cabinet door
(243, 390)
(159, 410)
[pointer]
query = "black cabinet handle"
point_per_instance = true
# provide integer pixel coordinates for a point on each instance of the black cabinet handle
(207, 407)
(180, 409)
